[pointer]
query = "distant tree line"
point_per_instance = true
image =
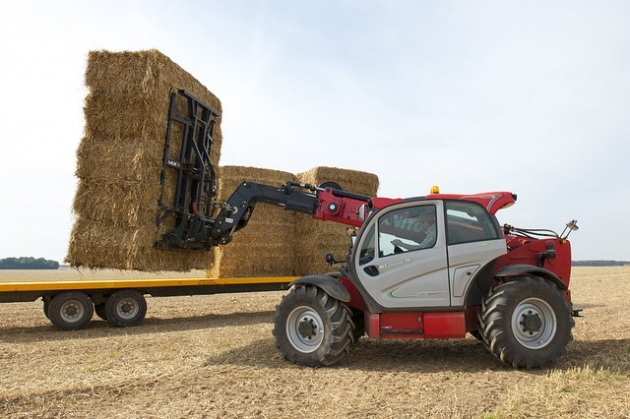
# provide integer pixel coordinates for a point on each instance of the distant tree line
(599, 263)
(28, 263)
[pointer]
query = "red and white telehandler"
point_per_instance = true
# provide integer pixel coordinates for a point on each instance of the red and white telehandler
(506, 286)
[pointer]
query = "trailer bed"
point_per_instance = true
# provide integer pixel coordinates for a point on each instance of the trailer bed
(70, 304)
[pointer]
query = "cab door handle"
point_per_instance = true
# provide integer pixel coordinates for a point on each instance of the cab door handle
(371, 270)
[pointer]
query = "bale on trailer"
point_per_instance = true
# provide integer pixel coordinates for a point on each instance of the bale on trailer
(119, 161)
(277, 242)
(266, 246)
(315, 238)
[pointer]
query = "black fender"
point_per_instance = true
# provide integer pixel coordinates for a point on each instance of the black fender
(518, 270)
(329, 284)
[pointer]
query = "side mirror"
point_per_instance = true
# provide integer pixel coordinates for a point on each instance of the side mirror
(330, 259)
(571, 226)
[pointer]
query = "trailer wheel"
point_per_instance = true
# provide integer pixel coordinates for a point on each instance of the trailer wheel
(526, 322)
(99, 309)
(70, 310)
(125, 308)
(312, 328)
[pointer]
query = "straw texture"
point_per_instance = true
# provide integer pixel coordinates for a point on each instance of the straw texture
(265, 247)
(119, 162)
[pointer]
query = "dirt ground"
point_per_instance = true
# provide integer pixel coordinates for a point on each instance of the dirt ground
(215, 357)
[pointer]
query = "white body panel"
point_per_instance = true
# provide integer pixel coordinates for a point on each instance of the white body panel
(438, 276)
(464, 262)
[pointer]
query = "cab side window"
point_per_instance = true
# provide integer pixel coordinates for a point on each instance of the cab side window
(367, 253)
(407, 229)
(468, 222)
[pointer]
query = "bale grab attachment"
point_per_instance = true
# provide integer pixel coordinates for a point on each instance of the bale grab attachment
(188, 181)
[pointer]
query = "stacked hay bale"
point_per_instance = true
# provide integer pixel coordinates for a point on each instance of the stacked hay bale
(316, 238)
(265, 247)
(119, 162)
(277, 242)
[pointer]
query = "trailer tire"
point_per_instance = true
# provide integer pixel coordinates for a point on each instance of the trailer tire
(311, 327)
(70, 310)
(125, 308)
(526, 322)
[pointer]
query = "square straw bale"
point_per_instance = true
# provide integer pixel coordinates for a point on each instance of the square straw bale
(127, 249)
(265, 247)
(315, 238)
(119, 162)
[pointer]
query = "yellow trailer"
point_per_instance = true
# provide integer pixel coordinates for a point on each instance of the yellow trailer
(70, 305)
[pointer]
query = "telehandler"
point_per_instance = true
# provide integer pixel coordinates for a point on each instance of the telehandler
(506, 286)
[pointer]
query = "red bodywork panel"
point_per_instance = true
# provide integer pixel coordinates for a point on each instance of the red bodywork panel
(353, 211)
(410, 324)
(379, 203)
(523, 250)
(344, 210)
(355, 298)
(416, 324)
(492, 201)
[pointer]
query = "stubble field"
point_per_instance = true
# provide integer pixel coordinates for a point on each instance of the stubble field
(214, 357)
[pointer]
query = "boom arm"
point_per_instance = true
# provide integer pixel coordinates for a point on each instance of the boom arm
(235, 213)
(326, 204)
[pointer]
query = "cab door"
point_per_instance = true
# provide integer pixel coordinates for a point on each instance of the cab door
(407, 277)
(474, 240)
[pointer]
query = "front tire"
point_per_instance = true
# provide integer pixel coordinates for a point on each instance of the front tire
(311, 327)
(526, 322)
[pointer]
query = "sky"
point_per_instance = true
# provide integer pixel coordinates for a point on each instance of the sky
(531, 97)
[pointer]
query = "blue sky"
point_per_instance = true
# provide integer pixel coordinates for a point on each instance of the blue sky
(531, 97)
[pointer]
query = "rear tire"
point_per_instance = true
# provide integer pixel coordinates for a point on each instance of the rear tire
(125, 308)
(526, 322)
(70, 310)
(312, 328)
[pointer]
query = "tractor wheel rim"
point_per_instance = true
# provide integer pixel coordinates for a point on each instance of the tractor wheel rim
(534, 323)
(72, 311)
(305, 329)
(127, 308)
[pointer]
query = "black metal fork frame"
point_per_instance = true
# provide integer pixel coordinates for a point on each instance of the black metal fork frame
(196, 180)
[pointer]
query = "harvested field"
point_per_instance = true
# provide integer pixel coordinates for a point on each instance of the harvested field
(214, 357)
